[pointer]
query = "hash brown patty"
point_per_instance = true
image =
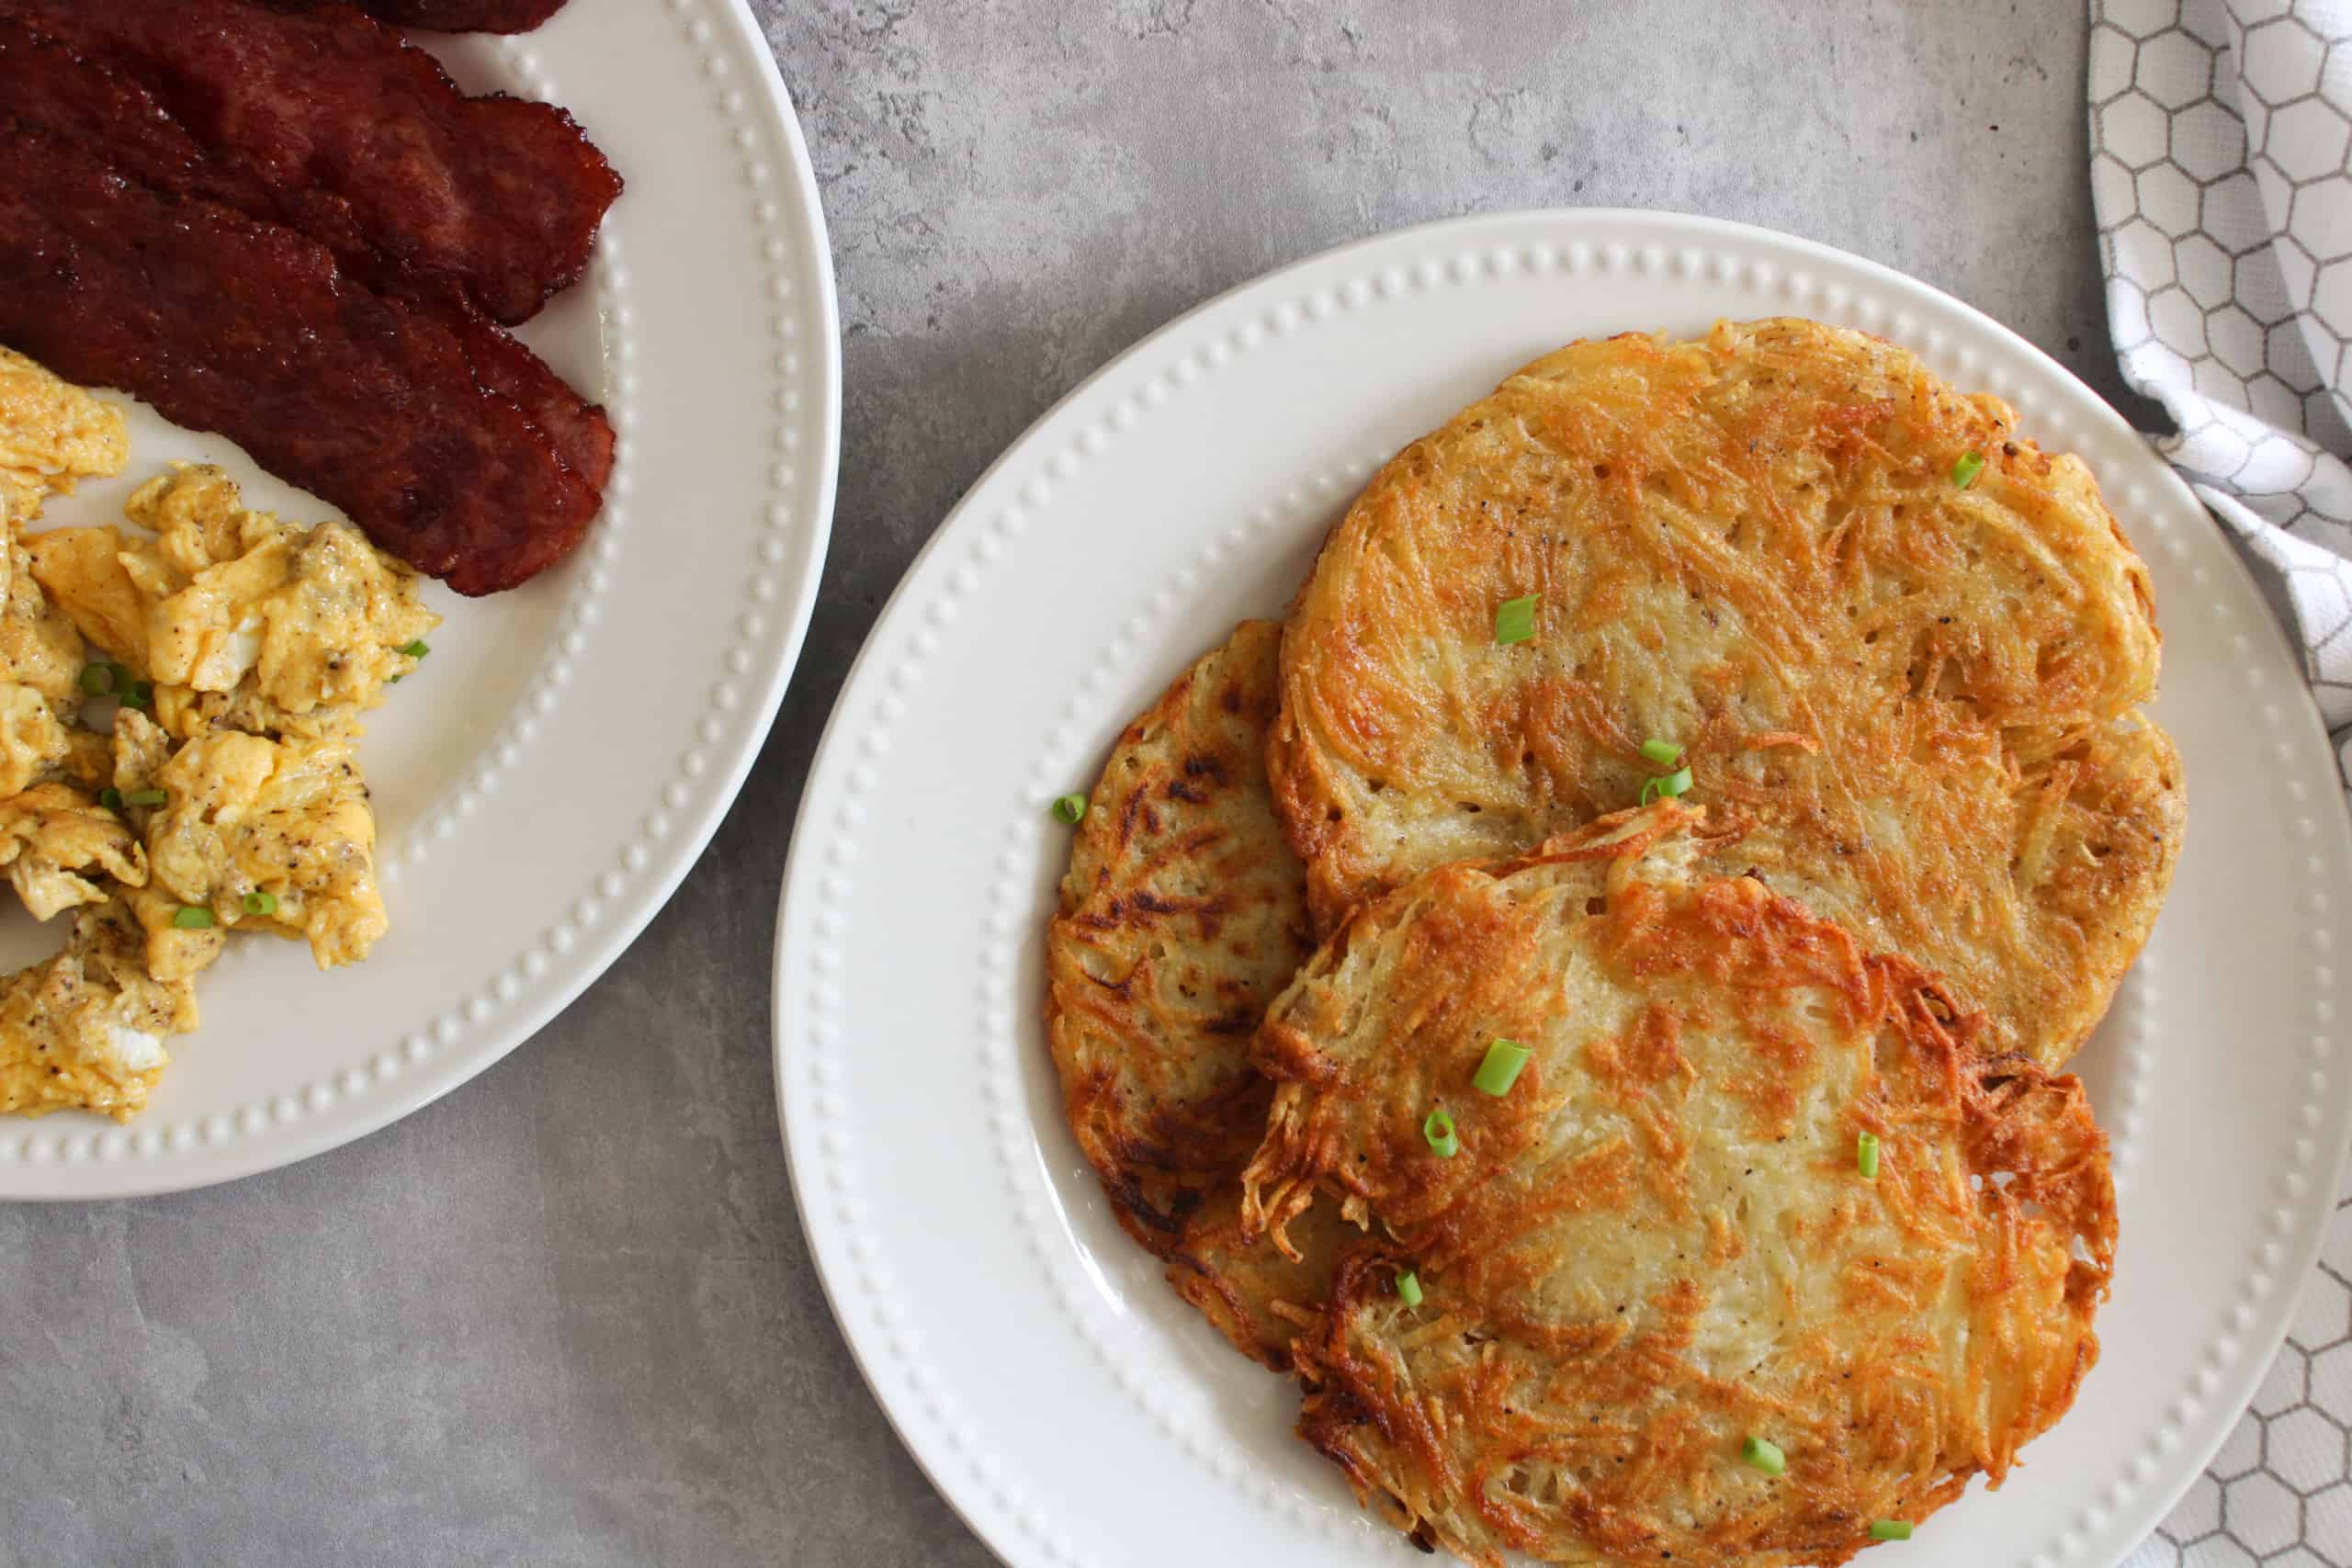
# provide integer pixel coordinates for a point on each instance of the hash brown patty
(1182, 914)
(1921, 695)
(1660, 1242)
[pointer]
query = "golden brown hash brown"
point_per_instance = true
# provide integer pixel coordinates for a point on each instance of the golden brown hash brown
(1658, 1242)
(1920, 696)
(1182, 914)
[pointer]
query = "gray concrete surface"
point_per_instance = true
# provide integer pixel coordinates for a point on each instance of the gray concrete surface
(565, 1316)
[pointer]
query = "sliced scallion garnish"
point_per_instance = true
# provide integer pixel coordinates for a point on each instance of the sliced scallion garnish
(1500, 1068)
(111, 800)
(1866, 1155)
(192, 918)
(1664, 785)
(1070, 808)
(1889, 1530)
(1664, 753)
(1409, 1289)
(146, 797)
(98, 679)
(258, 903)
(1964, 472)
(1515, 619)
(416, 649)
(1438, 1128)
(1764, 1454)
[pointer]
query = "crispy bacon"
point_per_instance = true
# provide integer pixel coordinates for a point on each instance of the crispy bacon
(48, 87)
(366, 143)
(464, 16)
(582, 435)
(250, 329)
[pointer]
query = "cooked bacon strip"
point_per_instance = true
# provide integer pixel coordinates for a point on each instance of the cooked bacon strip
(494, 200)
(48, 87)
(501, 364)
(464, 16)
(252, 330)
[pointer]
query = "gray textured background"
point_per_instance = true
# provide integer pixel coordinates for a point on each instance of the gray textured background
(565, 1315)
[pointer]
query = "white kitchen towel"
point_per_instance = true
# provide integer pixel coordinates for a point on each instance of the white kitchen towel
(2221, 173)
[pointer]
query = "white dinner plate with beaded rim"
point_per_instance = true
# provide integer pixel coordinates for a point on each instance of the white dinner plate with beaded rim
(1067, 1404)
(555, 766)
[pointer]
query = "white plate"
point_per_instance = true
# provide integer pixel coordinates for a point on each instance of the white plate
(552, 771)
(1058, 1394)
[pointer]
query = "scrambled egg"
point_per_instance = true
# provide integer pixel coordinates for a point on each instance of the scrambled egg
(39, 645)
(226, 794)
(40, 660)
(54, 840)
(33, 740)
(173, 951)
(86, 1027)
(241, 622)
(51, 433)
(274, 834)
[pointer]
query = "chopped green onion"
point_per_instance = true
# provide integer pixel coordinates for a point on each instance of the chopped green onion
(1500, 1069)
(416, 649)
(1675, 783)
(1964, 472)
(1665, 753)
(1889, 1530)
(1070, 808)
(261, 903)
(111, 800)
(192, 918)
(98, 680)
(1438, 1128)
(146, 797)
(1409, 1289)
(1765, 1455)
(1866, 1155)
(141, 693)
(1515, 619)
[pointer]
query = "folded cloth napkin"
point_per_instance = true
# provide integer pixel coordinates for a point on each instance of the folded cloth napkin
(2220, 137)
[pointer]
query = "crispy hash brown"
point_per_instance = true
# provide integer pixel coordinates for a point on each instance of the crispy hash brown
(1919, 694)
(1659, 1242)
(1183, 913)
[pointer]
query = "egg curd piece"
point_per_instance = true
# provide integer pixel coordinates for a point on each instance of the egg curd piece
(81, 571)
(32, 740)
(51, 433)
(140, 748)
(57, 843)
(175, 952)
(39, 646)
(311, 622)
(247, 816)
(242, 621)
(86, 1028)
(40, 660)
